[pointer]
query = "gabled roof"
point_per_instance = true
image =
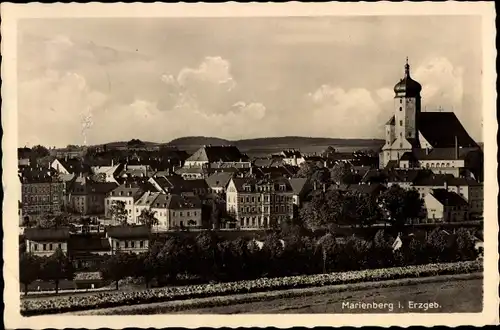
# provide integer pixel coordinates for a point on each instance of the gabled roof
(448, 198)
(88, 243)
(74, 165)
(219, 180)
(47, 234)
(391, 121)
(127, 190)
(178, 202)
(217, 153)
(122, 232)
(408, 175)
(441, 128)
(34, 174)
(147, 198)
(251, 184)
(298, 184)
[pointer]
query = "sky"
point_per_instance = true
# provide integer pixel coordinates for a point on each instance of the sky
(98, 80)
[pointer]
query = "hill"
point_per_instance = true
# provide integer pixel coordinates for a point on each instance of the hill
(264, 146)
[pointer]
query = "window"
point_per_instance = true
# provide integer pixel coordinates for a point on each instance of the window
(258, 199)
(253, 199)
(400, 108)
(188, 213)
(241, 199)
(50, 247)
(44, 247)
(132, 244)
(248, 199)
(400, 100)
(59, 245)
(126, 244)
(181, 214)
(141, 244)
(35, 246)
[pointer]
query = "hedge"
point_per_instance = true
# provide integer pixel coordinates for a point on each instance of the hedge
(117, 298)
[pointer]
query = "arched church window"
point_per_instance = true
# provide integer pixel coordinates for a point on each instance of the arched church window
(400, 101)
(400, 123)
(400, 108)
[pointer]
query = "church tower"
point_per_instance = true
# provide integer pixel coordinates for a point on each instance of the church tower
(407, 103)
(402, 129)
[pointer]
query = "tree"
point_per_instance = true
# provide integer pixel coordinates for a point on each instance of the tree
(362, 209)
(29, 269)
(57, 267)
(39, 151)
(327, 246)
(206, 247)
(339, 172)
(272, 251)
(116, 267)
(118, 212)
(465, 244)
(148, 218)
(171, 257)
(400, 205)
(328, 152)
(50, 220)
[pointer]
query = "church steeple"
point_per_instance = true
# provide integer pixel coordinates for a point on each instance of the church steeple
(407, 87)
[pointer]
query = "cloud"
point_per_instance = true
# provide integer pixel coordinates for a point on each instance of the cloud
(348, 113)
(442, 84)
(358, 112)
(56, 107)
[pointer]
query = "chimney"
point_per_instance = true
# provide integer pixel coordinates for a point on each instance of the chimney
(446, 185)
(315, 187)
(66, 157)
(456, 147)
(112, 162)
(427, 150)
(324, 187)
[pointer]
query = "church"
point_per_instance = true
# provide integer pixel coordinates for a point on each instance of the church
(431, 140)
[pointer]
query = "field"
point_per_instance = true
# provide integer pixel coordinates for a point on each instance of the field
(451, 293)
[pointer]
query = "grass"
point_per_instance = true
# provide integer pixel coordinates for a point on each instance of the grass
(453, 293)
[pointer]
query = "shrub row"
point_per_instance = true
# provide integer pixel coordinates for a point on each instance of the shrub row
(114, 299)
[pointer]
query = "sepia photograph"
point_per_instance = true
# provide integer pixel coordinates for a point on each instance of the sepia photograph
(175, 161)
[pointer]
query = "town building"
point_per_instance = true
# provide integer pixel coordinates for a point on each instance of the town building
(217, 182)
(292, 157)
(44, 242)
(259, 203)
(41, 191)
(173, 212)
(423, 134)
(128, 239)
(446, 206)
(87, 197)
(126, 193)
(107, 173)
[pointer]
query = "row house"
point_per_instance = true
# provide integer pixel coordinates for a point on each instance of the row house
(43, 242)
(172, 211)
(41, 191)
(87, 197)
(126, 193)
(259, 203)
(468, 189)
(445, 206)
(128, 239)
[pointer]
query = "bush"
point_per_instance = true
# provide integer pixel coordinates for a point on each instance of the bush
(112, 299)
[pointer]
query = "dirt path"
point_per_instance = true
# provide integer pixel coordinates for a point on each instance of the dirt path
(451, 293)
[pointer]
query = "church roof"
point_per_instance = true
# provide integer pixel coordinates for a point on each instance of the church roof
(214, 154)
(441, 128)
(448, 198)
